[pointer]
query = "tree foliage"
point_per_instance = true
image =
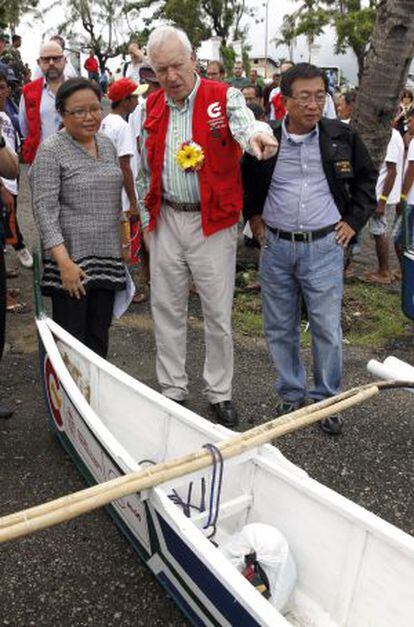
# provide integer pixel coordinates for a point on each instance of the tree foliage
(11, 12)
(228, 55)
(103, 26)
(188, 15)
(385, 73)
(288, 34)
(200, 19)
(311, 19)
(353, 24)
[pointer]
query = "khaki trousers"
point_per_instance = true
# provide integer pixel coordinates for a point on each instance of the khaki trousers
(179, 251)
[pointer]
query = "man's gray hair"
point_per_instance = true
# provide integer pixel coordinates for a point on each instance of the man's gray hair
(162, 34)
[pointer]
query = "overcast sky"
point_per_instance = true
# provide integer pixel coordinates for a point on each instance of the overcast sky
(33, 31)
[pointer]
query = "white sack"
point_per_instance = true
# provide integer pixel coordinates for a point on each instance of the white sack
(272, 553)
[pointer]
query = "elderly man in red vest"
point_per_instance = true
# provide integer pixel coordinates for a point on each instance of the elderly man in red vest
(37, 113)
(194, 131)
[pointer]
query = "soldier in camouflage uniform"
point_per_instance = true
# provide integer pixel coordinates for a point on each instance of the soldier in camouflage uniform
(11, 57)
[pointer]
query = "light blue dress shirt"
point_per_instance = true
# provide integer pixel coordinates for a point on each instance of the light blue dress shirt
(299, 198)
(49, 117)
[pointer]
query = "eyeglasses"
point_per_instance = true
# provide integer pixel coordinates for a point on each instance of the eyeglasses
(50, 59)
(306, 100)
(82, 114)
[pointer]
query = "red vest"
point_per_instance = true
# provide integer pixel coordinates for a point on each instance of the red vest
(278, 108)
(32, 94)
(221, 193)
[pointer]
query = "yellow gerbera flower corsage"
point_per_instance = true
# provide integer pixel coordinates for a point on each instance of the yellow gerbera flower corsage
(190, 157)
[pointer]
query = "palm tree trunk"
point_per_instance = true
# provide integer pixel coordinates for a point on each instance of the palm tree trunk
(384, 75)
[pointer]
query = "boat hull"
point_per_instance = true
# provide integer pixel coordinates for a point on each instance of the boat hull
(354, 569)
(196, 590)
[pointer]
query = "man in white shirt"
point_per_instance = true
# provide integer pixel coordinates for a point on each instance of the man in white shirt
(123, 95)
(194, 209)
(9, 187)
(388, 192)
(407, 198)
(132, 67)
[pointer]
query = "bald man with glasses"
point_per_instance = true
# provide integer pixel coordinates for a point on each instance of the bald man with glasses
(37, 112)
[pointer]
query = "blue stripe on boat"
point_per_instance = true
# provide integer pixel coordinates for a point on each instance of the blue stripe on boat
(222, 599)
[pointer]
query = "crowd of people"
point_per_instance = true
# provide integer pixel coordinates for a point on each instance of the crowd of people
(181, 152)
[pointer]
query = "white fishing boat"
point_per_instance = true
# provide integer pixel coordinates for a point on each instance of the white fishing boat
(353, 568)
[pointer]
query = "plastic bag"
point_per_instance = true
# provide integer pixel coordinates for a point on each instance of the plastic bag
(273, 555)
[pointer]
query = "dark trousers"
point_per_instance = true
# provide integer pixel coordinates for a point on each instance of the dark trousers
(2, 297)
(88, 319)
(20, 241)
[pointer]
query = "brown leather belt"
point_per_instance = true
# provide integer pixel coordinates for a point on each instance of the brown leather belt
(183, 206)
(299, 236)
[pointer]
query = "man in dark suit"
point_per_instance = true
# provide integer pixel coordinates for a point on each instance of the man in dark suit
(304, 206)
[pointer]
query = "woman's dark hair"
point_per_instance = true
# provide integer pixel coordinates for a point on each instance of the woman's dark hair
(349, 97)
(300, 70)
(70, 87)
(407, 93)
(3, 77)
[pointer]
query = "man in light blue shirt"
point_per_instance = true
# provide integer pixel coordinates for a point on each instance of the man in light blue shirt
(304, 207)
(52, 63)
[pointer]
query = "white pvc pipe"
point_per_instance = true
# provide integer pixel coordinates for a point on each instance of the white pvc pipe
(392, 368)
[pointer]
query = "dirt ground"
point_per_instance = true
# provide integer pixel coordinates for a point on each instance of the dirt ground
(84, 572)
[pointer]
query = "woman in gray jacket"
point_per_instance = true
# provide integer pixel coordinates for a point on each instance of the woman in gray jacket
(76, 190)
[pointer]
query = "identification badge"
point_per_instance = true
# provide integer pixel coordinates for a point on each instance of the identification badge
(343, 169)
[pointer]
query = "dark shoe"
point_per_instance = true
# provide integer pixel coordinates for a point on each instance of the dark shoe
(332, 425)
(286, 407)
(226, 413)
(5, 412)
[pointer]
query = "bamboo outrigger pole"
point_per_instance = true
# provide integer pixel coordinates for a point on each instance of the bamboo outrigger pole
(67, 507)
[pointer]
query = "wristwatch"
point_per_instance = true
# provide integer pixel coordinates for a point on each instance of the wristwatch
(2, 141)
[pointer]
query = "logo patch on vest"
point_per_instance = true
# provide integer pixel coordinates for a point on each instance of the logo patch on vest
(214, 110)
(217, 121)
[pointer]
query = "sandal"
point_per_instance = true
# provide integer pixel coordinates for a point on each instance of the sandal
(12, 306)
(17, 308)
(139, 298)
(13, 292)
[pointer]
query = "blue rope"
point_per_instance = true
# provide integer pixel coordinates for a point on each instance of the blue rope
(187, 506)
(215, 491)
(215, 486)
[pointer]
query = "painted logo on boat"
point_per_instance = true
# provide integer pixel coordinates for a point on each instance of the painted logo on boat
(54, 394)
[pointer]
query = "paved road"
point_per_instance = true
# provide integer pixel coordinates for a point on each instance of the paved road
(83, 572)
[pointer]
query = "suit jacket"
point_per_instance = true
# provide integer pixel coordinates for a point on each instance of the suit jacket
(348, 168)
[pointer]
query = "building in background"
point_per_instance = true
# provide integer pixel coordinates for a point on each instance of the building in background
(264, 67)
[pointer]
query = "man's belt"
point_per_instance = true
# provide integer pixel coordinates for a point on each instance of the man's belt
(299, 236)
(183, 206)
